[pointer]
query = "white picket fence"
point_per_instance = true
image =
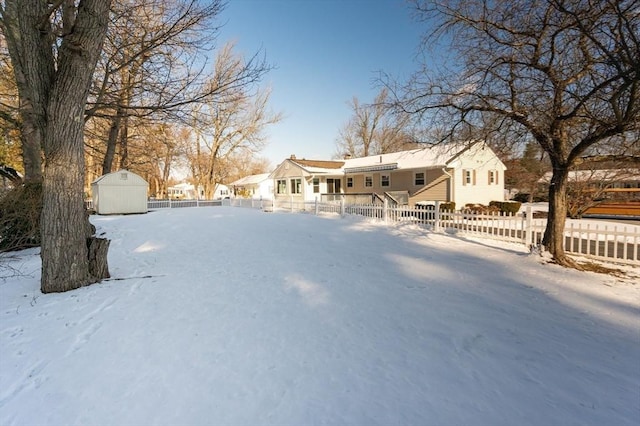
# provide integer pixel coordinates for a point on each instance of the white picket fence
(170, 204)
(618, 243)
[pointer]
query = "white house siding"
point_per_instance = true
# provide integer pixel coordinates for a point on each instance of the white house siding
(479, 162)
(288, 171)
(263, 190)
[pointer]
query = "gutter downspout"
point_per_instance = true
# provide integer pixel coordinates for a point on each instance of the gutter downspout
(444, 170)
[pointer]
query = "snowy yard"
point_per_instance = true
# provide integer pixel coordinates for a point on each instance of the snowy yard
(230, 316)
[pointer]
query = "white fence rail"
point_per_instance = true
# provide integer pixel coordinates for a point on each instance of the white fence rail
(619, 243)
(170, 204)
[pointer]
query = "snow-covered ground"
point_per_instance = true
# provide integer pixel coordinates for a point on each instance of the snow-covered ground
(230, 316)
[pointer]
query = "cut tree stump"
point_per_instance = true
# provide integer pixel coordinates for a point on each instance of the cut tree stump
(98, 265)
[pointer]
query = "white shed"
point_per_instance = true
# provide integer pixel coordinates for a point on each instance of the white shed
(121, 192)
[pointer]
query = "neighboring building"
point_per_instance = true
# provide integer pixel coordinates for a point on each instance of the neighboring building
(182, 191)
(462, 173)
(222, 191)
(600, 191)
(187, 191)
(258, 186)
(121, 192)
(622, 184)
(9, 178)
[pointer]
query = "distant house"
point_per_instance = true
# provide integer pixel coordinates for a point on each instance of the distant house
(258, 186)
(462, 173)
(621, 184)
(182, 191)
(601, 191)
(222, 191)
(121, 192)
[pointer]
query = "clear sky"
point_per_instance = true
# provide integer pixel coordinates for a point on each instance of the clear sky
(325, 53)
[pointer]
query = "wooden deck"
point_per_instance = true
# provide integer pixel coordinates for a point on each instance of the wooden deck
(631, 208)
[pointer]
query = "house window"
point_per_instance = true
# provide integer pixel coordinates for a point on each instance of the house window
(368, 181)
(349, 182)
(385, 180)
(296, 186)
(282, 186)
(493, 177)
(316, 185)
(419, 179)
(468, 177)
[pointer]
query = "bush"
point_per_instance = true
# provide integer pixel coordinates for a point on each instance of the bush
(20, 210)
(506, 207)
(521, 197)
(481, 209)
(448, 206)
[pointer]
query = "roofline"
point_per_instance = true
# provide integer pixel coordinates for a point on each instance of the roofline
(372, 168)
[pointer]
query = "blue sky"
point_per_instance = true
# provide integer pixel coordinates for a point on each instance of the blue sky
(325, 52)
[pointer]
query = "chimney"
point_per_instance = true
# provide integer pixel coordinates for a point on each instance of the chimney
(293, 157)
(346, 156)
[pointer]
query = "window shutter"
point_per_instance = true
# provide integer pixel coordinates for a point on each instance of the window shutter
(464, 177)
(497, 174)
(474, 176)
(489, 176)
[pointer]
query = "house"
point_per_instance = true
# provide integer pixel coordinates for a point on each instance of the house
(611, 191)
(187, 191)
(258, 186)
(222, 191)
(463, 173)
(615, 184)
(182, 191)
(121, 192)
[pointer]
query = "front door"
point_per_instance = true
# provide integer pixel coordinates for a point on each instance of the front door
(333, 186)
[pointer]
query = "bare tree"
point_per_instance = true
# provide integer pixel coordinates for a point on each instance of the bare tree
(525, 170)
(233, 121)
(152, 66)
(565, 72)
(374, 129)
(54, 47)
(9, 117)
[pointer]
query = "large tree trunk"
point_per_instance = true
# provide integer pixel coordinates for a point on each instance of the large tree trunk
(65, 228)
(124, 143)
(554, 232)
(33, 73)
(112, 142)
(31, 152)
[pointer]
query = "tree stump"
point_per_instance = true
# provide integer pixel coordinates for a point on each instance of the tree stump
(98, 265)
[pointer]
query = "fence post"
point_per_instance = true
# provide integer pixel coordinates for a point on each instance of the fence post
(436, 217)
(316, 206)
(169, 202)
(341, 206)
(385, 205)
(528, 222)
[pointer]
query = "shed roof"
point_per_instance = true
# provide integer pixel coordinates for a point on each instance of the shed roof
(120, 178)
